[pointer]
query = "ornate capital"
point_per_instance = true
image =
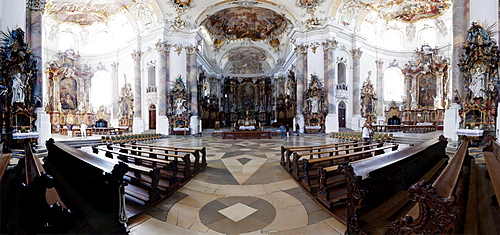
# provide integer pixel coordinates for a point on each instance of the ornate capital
(379, 63)
(36, 5)
(356, 53)
(302, 48)
(136, 55)
(162, 46)
(330, 44)
(178, 49)
(314, 46)
(190, 50)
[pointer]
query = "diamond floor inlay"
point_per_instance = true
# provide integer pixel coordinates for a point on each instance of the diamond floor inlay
(237, 211)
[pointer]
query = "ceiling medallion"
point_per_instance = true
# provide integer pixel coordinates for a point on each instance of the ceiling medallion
(85, 12)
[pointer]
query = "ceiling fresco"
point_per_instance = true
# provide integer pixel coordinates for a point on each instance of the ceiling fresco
(408, 10)
(85, 12)
(254, 23)
(249, 60)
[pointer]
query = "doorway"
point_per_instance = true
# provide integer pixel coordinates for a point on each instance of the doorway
(341, 112)
(152, 117)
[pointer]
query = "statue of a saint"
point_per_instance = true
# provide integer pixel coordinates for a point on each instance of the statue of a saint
(477, 83)
(314, 104)
(17, 89)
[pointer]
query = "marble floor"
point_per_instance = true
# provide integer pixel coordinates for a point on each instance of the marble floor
(243, 190)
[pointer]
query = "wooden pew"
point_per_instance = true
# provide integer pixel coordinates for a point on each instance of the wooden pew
(298, 160)
(310, 167)
(94, 185)
(375, 185)
(287, 151)
(35, 205)
(197, 153)
(146, 175)
(184, 169)
(445, 199)
(4, 161)
(492, 159)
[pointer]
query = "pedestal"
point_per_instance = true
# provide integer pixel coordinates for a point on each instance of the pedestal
(162, 125)
(451, 122)
(195, 125)
(331, 123)
(43, 126)
(138, 126)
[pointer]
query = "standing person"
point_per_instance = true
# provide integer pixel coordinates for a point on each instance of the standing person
(297, 128)
(83, 129)
(282, 131)
(287, 128)
(70, 130)
(365, 132)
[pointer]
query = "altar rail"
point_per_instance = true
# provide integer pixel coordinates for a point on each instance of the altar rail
(246, 135)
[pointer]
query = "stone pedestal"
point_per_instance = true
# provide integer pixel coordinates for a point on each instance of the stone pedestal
(195, 125)
(451, 122)
(43, 126)
(138, 126)
(331, 123)
(162, 125)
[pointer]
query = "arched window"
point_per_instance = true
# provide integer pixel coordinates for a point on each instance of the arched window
(393, 40)
(152, 76)
(101, 84)
(341, 74)
(66, 41)
(393, 85)
(429, 37)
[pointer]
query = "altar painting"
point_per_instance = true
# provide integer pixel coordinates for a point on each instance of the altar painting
(68, 88)
(426, 90)
(247, 96)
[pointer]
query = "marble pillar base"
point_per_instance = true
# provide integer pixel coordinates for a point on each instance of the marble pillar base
(331, 123)
(162, 125)
(43, 126)
(195, 124)
(451, 122)
(138, 126)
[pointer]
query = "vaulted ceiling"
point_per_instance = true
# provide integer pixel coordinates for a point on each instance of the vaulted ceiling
(236, 31)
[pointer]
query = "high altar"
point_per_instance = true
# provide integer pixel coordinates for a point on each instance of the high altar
(427, 87)
(69, 84)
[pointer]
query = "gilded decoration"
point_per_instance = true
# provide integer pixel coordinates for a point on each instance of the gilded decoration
(17, 79)
(254, 23)
(126, 105)
(315, 109)
(393, 114)
(479, 66)
(368, 100)
(69, 82)
(179, 109)
(249, 60)
(410, 10)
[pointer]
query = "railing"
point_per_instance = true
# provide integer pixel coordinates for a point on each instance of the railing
(151, 89)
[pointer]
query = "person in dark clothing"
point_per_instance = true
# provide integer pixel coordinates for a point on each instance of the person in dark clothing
(287, 129)
(297, 129)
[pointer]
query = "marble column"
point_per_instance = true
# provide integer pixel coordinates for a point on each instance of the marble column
(34, 12)
(138, 126)
(301, 74)
(192, 81)
(460, 26)
(380, 89)
(356, 78)
(162, 122)
(115, 93)
(332, 121)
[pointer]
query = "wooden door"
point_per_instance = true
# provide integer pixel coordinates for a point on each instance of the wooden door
(152, 117)
(341, 112)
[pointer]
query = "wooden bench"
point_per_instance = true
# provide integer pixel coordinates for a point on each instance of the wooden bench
(376, 186)
(35, 205)
(492, 159)
(4, 161)
(286, 151)
(445, 199)
(297, 158)
(198, 153)
(310, 178)
(182, 171)
(94, 185)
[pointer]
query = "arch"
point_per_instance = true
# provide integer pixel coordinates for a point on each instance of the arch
(341, 111)
(393, 39)
(152, 116)
(393, 84)
(66, 40)
(341, 73)
(428, 36)
(152, 76)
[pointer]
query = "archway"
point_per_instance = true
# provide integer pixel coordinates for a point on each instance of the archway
(152, 117)
(341, 112)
